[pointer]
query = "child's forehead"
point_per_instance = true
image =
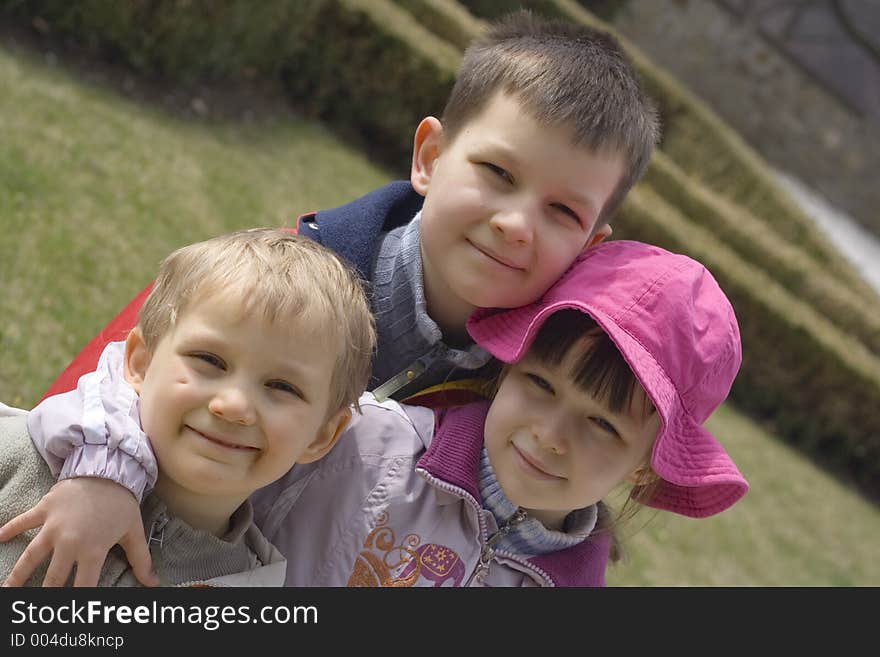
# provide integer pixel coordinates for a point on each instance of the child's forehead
(598, 387)
(229, 306)
(508, 113)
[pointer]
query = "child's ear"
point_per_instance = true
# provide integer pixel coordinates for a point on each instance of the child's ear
(327, 437)
(642, 476)
(602, 233)
(137, 358)
(427, 143)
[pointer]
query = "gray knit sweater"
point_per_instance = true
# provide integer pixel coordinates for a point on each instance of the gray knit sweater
(181, 555)
(408, 339)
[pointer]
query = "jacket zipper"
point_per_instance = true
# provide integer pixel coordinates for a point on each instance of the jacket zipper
(487, 552)
(157, 530)
(407, 375)
(481, 522)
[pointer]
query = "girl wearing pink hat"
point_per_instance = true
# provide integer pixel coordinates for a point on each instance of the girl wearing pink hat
(607, 379)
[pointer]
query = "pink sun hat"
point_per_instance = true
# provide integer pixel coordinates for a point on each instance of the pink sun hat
(677, 331)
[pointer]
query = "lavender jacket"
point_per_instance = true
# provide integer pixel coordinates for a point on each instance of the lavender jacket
(396, 503)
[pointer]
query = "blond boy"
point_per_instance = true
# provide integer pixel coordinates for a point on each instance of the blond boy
(246, 358)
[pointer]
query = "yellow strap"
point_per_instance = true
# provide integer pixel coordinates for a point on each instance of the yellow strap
(476, 386)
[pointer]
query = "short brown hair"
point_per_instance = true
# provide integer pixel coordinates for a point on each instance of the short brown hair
(564, 74)
(278, 274)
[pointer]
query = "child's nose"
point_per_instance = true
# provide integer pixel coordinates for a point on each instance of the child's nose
(552, 435)
(514, 225)
(233, 405)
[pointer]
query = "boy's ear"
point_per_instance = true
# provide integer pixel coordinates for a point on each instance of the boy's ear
(427, 144)
(137, 358)
(602, 233)
(327, 436)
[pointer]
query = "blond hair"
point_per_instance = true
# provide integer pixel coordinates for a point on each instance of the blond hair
(277, 274)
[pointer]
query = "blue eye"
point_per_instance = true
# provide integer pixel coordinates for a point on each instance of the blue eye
(498, 171)
(210, 359)
(284, 386)
(605, 426)
(540, 382)
(568, 211)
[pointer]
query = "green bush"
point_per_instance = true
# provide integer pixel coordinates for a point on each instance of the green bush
(747, 234)
(370, 70)
(447, 19)
(181, 40)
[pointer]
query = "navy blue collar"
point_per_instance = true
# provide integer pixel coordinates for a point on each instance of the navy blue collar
(353, 229)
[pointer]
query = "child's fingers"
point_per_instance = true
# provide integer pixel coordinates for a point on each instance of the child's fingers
(21, 523)
(34, 554)
(138, 555)
(88, 571)
(59, 570)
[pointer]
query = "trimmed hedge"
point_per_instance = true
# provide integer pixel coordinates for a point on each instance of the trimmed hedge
(367, 67)
(382, 72)
(491, 9)
(448, 19)
(180, 40)
(747, 234)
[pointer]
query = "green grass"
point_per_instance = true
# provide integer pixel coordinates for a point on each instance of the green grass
(95, 190)
(797, 526)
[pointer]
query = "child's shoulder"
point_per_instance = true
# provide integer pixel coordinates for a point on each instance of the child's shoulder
(24, 475)
(16, 448)
(391, 427)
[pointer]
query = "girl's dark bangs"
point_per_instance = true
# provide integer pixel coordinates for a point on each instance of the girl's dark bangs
(600, 370)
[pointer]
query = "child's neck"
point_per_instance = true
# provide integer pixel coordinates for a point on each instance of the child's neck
(210, 513)
(449, 313)
(454, 333)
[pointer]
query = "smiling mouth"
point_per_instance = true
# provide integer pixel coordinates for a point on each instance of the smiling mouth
(534, 466)
(223, 443)
(497, 259)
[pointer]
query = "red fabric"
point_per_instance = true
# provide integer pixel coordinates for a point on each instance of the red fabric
(87, 359)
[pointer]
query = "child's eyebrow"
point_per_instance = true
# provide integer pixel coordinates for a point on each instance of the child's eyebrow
(494, 148)
(209, 338)
(295, 370)
(581, 200)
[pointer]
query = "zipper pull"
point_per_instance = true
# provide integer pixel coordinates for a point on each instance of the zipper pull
(406, 376)
(488, 549)
(483, 565)
(157, 531)
(515, 519)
